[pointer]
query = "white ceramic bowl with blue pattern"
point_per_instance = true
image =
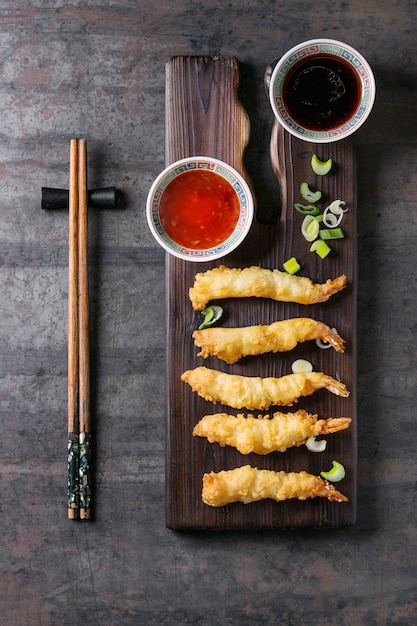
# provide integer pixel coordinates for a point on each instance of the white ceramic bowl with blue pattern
(297, 85)
(238, 188)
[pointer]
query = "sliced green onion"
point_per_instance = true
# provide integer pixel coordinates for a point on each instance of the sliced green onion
(333, 214)
(292, 265)
(308, 194)
(308, 209)
(316, 446)
(315, 245)
(331, 233)
(211, 315)
(321, 248)
(331, 220)
(321, 168)
(336, 207)
(336, 473)
(301, 365)
(324, 345)
(310, 228)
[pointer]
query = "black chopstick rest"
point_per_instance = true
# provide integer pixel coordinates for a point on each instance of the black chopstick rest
(98, 198)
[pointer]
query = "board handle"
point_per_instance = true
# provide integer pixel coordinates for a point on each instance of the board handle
(278, 146)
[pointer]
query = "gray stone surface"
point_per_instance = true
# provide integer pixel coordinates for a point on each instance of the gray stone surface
(96, 70)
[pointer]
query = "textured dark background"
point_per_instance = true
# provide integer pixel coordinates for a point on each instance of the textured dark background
(96, 70)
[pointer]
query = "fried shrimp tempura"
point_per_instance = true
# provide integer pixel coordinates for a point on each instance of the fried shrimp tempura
(231, 344)
(258, 393)
(263, 435)
(224, 282)
(248, 484)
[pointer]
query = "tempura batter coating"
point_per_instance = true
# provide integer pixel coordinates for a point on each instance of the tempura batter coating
(224, 282)
(255, 393)
(231, 344)
(263, 435)
(248, 484)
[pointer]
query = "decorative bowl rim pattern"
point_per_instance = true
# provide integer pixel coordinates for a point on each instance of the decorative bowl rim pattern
(336, 48)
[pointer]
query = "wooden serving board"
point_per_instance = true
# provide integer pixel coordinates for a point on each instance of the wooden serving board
(204, 117)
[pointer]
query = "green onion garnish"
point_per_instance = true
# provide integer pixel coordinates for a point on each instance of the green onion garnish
(320, 247)
(308, 194)
(331, 233)
(308, 209)
(291, 266)
(333, 214)
(321, 168)
(301, 365)
(310, 228)
(211, 315)
(316, 446)
(336, 473)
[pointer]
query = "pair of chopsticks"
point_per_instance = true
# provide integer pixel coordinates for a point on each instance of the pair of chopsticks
(79, 422)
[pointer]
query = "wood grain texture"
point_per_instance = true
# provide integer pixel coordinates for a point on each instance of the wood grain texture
(202, 83)
(204, 116)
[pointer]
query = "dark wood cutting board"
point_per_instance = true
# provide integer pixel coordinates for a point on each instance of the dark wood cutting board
(204, 117)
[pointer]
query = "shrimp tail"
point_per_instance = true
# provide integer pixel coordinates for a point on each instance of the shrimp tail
(335, 386)
(323, 489)
(331, 425)
(332, 286)
(328, 335)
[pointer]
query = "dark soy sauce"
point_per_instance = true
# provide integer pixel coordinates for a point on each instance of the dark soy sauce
(321, 92)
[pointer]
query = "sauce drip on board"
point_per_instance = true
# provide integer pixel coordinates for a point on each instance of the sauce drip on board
(199, 209)
(322, 92)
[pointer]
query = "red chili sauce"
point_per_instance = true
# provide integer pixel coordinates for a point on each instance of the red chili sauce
(199, 209)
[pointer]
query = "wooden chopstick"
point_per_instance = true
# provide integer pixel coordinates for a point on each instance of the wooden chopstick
(84, 348)
(73, 363)
(79, 422)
